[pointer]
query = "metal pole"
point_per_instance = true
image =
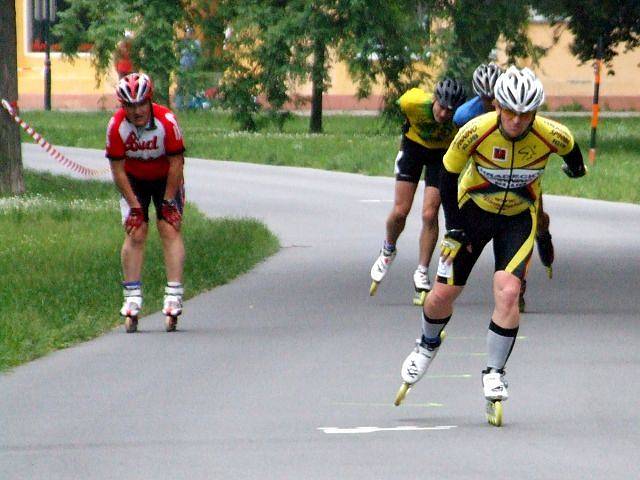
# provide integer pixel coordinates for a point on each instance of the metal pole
(596, 98)
(47, 57)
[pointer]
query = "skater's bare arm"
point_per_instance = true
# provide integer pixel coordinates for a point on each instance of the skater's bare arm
(175, 179)
(122, 182)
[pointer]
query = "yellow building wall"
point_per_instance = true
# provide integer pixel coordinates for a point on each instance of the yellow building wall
(73, 84)
(566, 81)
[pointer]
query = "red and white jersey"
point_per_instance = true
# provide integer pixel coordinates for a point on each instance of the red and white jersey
(145, 150)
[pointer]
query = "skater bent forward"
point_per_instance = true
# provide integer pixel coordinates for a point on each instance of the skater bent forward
(428, 130)
(145, 149)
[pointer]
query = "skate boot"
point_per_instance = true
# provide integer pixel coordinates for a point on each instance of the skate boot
(543, 241)
(422, 285)
(521, 303)
(380, 268)
(172, 305)
(495, 392)
(415, 366)
(132, 292)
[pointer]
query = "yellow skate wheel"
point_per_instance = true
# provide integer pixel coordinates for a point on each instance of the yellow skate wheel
(494, 412)
(170, 323)
(402, 392)
(550, 271)
(131, 324)
(373, 288)
(443, 335)
(419, 298)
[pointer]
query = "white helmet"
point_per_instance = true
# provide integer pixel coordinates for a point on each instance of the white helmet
(519, 90)
(484, 79)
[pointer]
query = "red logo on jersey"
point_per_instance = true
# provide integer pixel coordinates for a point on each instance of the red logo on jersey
(499, 153)
(133, 145)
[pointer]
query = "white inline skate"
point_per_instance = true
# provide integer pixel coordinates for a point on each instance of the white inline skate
(415, 366)
(422, 285)
(495, 392)
(172, 305)
(132, 305)
(380, 268)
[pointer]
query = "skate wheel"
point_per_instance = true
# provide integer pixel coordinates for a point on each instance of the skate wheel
(402, 392)
(419, 298)
(373, 288)
(170, 323)
(550, 271)
(494, 412)
(131, 324)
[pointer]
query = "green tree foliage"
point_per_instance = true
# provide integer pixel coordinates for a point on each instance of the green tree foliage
(611, 22)
(154, 24)
(478, 25)
(389, 42)
(272, 46)
(277, 44)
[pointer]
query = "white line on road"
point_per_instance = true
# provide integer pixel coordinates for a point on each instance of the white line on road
(388, 404)
(332, 430)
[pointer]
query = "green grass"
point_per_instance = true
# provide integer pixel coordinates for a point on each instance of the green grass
(59, 257)
(359, 145)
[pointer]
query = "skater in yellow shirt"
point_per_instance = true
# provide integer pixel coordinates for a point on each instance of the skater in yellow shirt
(503, 154)
(427, 133)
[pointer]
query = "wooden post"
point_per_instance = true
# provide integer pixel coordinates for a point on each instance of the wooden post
(597, 66)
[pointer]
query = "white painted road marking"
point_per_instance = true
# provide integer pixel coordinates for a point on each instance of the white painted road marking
(331, 430)
(375, 200)
(388, 404)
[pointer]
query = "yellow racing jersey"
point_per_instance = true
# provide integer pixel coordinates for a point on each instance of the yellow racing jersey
(503, 176)
(417, 106)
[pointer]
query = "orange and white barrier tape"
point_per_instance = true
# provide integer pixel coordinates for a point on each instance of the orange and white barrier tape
(50, 149)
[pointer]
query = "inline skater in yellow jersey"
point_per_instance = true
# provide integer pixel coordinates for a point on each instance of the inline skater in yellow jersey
(503, 154)
(484, 80)
(427, 133)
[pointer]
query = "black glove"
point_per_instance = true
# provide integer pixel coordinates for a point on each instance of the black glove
(578, 172)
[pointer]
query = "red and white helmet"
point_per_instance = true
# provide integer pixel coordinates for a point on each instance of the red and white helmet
(134, 88)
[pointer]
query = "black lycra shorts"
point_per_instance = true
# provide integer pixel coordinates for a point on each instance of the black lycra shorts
(413, 158)
(513, 239)
(148, 190)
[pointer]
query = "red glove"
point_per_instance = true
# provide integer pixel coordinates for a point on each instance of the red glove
(171, 213)
(134, 219)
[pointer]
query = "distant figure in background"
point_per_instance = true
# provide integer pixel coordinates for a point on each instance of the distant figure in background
(122, 57)
(189, 93)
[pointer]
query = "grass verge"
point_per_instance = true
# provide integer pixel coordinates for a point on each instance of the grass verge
(360, 145)
(59, 254)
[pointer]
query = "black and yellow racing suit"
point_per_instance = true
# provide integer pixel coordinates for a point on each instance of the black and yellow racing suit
(424, 140)
(498, 194)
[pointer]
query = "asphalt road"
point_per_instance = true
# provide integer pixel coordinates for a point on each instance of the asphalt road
(290, 371)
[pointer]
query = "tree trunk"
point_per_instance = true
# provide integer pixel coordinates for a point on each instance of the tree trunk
(11, 181)
(317, 86)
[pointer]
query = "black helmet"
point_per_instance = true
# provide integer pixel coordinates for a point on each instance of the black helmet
(450, 93)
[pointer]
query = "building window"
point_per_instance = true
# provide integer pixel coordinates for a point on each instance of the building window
(37, 18)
